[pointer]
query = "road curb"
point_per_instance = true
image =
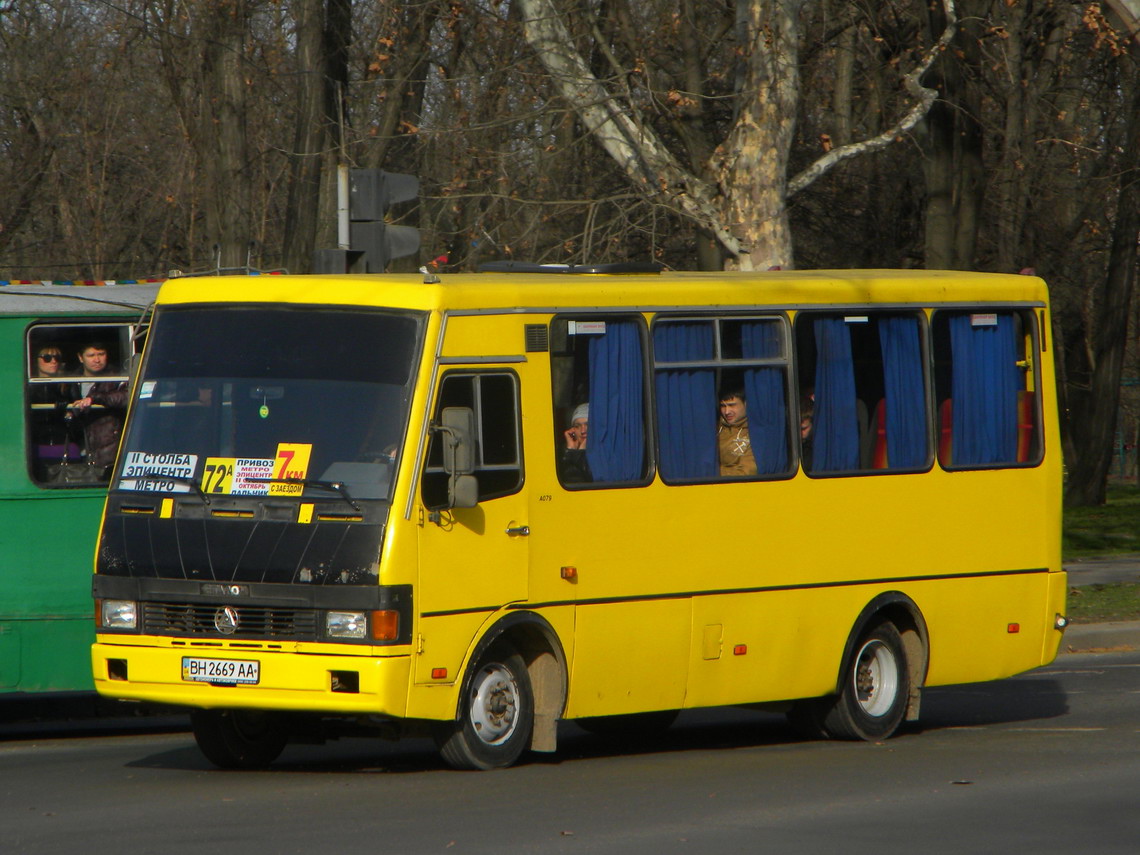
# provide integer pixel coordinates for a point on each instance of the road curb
(1081, 638)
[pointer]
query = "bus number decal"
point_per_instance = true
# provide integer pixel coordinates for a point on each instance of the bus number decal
(218, 475)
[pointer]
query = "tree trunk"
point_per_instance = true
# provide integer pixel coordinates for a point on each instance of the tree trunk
(753, 160)
(1093, 433)
(221, 135)
(323, 33)
(954, 169)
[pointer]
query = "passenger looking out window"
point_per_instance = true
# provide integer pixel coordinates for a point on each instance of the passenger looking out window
(733, 445)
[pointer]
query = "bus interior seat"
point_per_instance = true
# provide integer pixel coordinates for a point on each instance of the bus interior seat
(945, 432)
(878, 432)
(1025, 407)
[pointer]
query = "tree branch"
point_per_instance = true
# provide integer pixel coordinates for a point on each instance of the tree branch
(924, 96)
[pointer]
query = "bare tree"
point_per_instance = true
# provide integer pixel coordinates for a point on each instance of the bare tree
(744, 202)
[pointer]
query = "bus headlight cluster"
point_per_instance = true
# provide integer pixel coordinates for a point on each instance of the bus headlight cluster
(346, 624)
(118, 614)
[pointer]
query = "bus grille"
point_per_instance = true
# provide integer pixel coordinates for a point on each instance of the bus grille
(252, 621)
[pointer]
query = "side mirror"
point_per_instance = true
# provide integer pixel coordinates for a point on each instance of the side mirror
(458, 428)
(463, 491)
(457, 432)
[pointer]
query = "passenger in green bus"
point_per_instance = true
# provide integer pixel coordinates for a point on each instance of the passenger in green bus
(49, 429)
(575, 467)
(103, 427)
(733, 443)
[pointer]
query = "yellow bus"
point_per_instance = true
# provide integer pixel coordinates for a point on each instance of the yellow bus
(354, 501)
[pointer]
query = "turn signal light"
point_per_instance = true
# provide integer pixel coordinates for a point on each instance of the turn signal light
(386, 625)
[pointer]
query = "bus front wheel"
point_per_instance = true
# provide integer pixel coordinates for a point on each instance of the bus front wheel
(239, 739)
(496, 714)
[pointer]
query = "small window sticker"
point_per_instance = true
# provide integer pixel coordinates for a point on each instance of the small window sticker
(987, 319)
(147, 389)
(586, 327)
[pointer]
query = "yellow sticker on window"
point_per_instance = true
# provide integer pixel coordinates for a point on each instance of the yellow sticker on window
(218, 475)
(291, 462)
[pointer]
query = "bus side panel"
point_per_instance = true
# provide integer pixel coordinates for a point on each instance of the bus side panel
(652, 635)
(768, 646)
(46, 543)
(986, 629)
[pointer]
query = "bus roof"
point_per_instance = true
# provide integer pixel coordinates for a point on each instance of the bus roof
(45, 300)
(521, 292)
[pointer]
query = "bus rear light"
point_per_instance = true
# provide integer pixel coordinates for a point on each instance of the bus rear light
(1013, 628)
(386, 625)
(740, 650)
(1060, 622)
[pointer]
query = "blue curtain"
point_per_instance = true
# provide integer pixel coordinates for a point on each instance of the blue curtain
(686, 401)
(984, 386)
(616, 448)
(836, 422)
(904, 391)
(764, 387)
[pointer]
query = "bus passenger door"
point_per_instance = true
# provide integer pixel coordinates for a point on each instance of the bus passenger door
(473, 560)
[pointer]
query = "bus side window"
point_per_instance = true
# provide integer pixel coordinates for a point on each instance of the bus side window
(494, 399)
(721, 394)
(63, 364)
(986, 385)
(863, 392)
(598, 379)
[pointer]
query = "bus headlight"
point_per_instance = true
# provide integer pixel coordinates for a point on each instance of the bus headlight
(346, 624)
(118, 614)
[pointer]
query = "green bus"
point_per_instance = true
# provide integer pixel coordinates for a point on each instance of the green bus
(66, 353)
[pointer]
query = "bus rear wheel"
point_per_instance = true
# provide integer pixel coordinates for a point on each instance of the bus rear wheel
(873, 697)
(876, 685)
(496, 714)
(239, 739)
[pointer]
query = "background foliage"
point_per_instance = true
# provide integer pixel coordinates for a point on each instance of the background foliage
(139, 136)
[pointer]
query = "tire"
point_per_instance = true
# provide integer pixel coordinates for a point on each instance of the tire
(632, 726)
(875, 690)
(239, 739)
(496, 714)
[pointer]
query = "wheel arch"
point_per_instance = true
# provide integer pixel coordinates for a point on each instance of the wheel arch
(538, 644)
(905, 614)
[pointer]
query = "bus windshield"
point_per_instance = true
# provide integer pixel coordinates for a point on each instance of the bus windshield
(247, 401)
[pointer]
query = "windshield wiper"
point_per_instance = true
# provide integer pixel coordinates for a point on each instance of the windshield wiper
(180, 479)
(332, 486)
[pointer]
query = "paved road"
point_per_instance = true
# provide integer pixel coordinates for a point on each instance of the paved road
(1045, 763)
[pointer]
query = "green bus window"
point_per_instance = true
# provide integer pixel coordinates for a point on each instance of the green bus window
(76, 400)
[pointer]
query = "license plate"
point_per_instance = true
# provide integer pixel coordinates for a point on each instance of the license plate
(226, 672)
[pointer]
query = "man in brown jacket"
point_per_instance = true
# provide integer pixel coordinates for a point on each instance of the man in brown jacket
(734, 446)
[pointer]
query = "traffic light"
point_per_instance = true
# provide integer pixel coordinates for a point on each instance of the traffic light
(371, 242)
